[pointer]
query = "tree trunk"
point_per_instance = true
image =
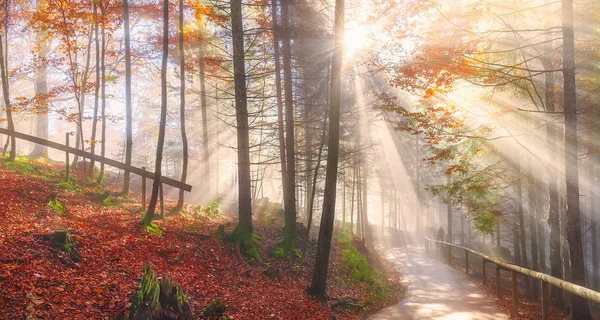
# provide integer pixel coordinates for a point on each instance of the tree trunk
(103, 97)
(243, 233)
(533, 232)
(290, 189)
(352, 198)
(156, 183)
(41, 88)
(579, 306)
(522, 237)
(96, 89)
(280, 124)
(449, 215)
(184, 139)
(6, 95)
(204, 110)
(318, 285)
(553, 211)
(128, 107)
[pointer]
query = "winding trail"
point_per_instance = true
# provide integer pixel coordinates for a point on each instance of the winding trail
(436, 291)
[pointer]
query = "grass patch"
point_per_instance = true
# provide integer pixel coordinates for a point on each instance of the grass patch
(70, 185)
(357, 264)
(21, 164)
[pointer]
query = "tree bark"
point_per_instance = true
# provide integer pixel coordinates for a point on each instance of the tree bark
(449, 215)
(163, 118)
(41, 88)
(204, 111)
(103, 96)
(579, 306)
(533, 231)
(318, 285)
(290, 189)
(244, 230)
(128, 106)
(553, 211)
(96, 88)
(184, 140)
(6, 95)
(280, 113)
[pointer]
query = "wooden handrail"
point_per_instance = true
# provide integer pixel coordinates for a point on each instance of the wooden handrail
(559, 283)
(110, 162)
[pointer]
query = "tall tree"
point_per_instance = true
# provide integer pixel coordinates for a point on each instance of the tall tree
(163, 118)
(318, 287)
(6, 96)
(128, 107)
(96, 87)
(243, 232)
(290, 188)
(579, 306)
(41, 88)
(184, 139)
(277, 70)
(102, 7)
(204, 110)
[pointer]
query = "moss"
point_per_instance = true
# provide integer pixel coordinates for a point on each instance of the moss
(21, 164)
(159, 299)
(215, 309)
(70, 185)
(173, 300)
(146, 303)
(55, 205)
(153, 229)
(111, 202)
(62, 240)
(247, 240)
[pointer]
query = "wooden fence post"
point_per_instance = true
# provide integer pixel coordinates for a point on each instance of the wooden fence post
(67, 168)
(467, 261)
(498, 280)
(545, 300)
(515, 294)
(144, 189)
(449, 254)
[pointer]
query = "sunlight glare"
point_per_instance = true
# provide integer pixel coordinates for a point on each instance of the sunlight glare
(355, 39)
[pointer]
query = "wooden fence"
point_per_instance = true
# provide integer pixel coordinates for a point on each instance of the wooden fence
(545, 279)
(139, 171)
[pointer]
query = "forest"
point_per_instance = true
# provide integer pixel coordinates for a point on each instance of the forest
(299, 159)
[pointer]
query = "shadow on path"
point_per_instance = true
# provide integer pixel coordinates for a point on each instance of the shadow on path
(436, 291)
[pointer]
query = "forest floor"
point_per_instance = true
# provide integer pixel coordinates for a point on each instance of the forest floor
(38, 281)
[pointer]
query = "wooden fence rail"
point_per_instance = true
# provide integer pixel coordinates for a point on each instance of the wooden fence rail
(139, 171)
(545, 279)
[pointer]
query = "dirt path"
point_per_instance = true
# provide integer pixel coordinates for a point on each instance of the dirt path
(436, 291)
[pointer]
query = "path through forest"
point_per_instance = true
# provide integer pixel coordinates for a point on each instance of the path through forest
(436, 291)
